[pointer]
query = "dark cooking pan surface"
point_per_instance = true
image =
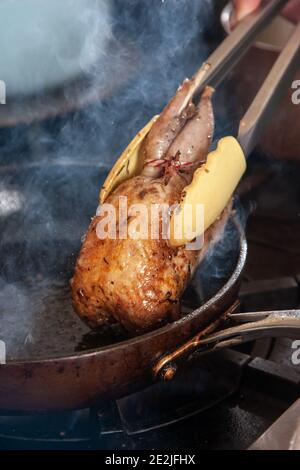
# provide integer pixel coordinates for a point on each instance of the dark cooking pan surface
(44, 211)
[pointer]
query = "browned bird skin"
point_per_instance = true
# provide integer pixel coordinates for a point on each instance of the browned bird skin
(136, 282)
(139, 282)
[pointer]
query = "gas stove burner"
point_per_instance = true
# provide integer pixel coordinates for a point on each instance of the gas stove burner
(223, 401)
(193, 391)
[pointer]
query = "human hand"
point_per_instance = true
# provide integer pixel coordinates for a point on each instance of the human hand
(245, 7)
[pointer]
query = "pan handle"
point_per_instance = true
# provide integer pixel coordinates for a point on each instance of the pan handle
(247, 327)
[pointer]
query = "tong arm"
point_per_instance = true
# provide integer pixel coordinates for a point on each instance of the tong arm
(231, 50)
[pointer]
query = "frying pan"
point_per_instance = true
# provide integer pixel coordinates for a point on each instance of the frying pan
(53, 361)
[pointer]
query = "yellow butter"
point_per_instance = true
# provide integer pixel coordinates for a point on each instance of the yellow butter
(128, 165)
(211, 188)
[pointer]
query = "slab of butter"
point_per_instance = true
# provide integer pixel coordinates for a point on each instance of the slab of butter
(211, 188)
(128, 165)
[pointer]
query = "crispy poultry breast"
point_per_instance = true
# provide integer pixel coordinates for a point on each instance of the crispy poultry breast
(138, 280)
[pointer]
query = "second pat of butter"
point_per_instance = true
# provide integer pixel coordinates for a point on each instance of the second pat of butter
(212, 187)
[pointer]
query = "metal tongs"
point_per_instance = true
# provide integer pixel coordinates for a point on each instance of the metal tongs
(243, 327)
(228, 54)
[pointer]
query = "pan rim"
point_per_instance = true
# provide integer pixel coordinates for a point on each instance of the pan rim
(240, 263)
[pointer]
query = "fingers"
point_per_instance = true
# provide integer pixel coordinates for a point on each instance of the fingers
(245, 7)
(292, 11)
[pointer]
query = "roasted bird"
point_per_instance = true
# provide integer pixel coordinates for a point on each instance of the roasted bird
(139, 281)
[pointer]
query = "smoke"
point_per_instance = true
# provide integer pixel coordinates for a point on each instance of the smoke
(51, 42)
(132, 55)
(220, 261)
